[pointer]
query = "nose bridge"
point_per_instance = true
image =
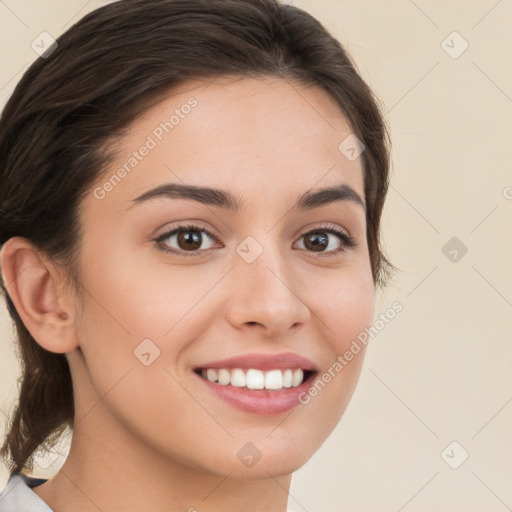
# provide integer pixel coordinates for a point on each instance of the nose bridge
(263, 291)
(262, 260)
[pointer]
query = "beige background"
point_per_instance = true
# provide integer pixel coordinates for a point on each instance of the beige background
(440, 371)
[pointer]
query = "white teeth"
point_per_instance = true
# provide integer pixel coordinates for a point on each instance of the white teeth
(212, 375)
(255, 379)
(274, 379)
(298, 377)
(238, 378)
(287, 378)
(224, 376)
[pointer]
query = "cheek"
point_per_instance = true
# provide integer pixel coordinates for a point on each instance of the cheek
(345, 306)
(352, 313)
(134, 292)
(135, 305)
(345, 309)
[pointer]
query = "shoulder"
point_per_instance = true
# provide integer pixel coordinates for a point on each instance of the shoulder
(18, 496)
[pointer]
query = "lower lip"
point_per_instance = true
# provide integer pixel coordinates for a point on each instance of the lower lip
(259, 401)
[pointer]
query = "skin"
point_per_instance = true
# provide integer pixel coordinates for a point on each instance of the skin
(154, 437)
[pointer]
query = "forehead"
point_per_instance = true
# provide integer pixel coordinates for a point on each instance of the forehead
(247, 135)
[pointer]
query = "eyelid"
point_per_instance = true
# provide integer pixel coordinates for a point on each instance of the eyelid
(326, 226)
(187, 224)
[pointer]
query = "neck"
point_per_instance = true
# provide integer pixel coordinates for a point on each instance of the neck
(115, 471)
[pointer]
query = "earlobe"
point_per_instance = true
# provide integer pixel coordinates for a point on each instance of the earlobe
(34, 286)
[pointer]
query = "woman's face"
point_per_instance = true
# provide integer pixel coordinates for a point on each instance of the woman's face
(268, 282)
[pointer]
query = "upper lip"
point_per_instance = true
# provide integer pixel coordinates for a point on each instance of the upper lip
(263, 362)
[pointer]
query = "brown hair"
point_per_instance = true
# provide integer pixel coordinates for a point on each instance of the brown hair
(104, 72)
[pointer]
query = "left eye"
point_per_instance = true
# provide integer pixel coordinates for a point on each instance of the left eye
(319, 240)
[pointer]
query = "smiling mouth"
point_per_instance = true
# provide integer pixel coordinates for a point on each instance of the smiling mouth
(253, 378)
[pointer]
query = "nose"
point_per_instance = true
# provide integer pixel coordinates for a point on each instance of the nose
(263, 297)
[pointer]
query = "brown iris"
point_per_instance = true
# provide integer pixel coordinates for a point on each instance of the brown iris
(189, 239)
(316, 240)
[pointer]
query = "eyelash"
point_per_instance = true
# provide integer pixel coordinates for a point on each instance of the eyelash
(348, 242)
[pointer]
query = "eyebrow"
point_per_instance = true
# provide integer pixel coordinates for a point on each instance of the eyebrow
(224, 199)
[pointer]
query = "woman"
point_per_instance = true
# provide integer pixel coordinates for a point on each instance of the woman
(190, 227)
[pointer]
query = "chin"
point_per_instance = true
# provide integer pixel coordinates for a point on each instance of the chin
(256, 457)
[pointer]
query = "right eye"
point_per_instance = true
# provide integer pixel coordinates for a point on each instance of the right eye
(189, 238)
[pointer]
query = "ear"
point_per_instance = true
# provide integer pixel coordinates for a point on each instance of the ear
(37, 292)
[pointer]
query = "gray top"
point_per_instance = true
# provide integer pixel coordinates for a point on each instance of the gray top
(18, 495)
